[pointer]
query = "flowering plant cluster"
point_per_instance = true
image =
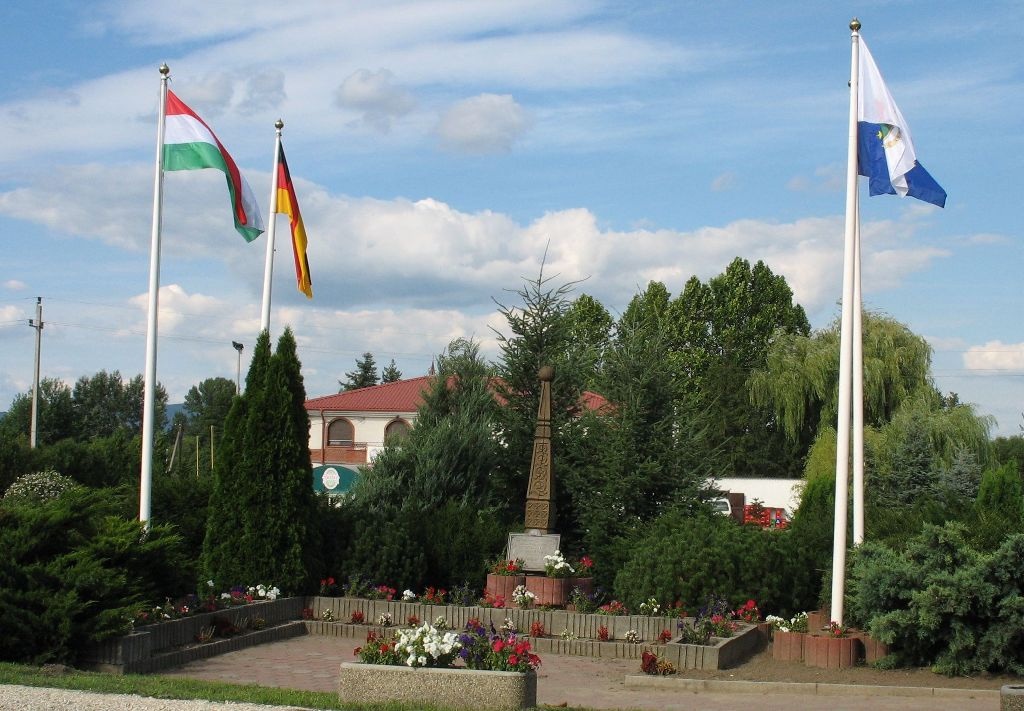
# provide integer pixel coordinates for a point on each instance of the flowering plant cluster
(382, 592)
(434, 596)
(496, 651)
(712, 621)
(357, 617)
(650, 663)
(613, 608)
(678, 609)
(193, 604)
(664, 637)
(556, 566)
(585, 602)
(412, 621)
(797, 623)
(748, 613)
(384, 619)
(408, 596)
(425, 646)
(377, 650)
(328, 587)
(42, 486)
(650, 608)
(522, 597)
(441, 622)
(837, 630)
(491, 600)
(632, 637)
(501, 566)
(602, 633)
(537, 629)
(585, 566)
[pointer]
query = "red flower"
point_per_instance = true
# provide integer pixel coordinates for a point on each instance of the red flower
(534, 659)
(323, 582)
(513, 659)
(357, 650)
(383, 648)
(498, 645)
(586, 562)
(522, 647)
(330, 581)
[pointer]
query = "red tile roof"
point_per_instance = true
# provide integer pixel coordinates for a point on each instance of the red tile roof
(402, 396)
(399, 396)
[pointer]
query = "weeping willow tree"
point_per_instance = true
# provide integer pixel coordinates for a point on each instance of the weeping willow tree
(799, 379)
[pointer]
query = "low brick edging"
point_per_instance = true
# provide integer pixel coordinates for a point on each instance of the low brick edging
(454, 688)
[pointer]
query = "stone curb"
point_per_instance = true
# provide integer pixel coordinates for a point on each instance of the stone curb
(799, 688)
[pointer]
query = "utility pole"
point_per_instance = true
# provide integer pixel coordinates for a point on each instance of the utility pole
(211, 449)
(238, 371)
(37, 324)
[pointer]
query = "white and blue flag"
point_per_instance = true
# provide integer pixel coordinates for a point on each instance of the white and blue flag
(885, 151)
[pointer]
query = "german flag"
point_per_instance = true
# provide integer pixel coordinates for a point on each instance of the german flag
(288, 205)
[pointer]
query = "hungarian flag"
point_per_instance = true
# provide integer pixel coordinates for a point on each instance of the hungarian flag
(189, 144)
(288, 205)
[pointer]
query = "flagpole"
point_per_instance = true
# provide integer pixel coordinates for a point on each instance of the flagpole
(149, 397)
(858, 389)
(845, 349)
(268, 270)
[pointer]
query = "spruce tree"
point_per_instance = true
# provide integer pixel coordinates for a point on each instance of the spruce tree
(364, 376)
(391, 373)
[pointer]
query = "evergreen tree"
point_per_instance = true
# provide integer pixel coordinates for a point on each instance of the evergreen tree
(235, 473)
(391, 373)
(364, 376)
(541, 334)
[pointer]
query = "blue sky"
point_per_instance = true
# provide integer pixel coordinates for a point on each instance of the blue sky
(439, 146)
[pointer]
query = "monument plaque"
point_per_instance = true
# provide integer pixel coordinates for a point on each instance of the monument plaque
(531, 548)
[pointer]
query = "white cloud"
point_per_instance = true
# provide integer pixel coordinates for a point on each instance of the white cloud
(995, 357)
(376, 96)
(487, 123)
(725, 181)
(15, 285)
(263, 90)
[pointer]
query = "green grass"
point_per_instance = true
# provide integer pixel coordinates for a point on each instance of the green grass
(163, 687)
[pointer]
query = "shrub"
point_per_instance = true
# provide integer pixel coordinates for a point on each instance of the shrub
(37, 487)
(941, 602)
(690, 555)
(73, 573)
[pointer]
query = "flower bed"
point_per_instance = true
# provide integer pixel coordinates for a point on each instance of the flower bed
(173, 642)
(572, 633)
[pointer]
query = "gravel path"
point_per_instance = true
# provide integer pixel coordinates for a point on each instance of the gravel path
(37, 698)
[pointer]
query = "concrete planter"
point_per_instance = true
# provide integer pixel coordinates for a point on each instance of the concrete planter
(831, 652)
(455, 688)
(551, 592)
(503, 586)
(788, 646)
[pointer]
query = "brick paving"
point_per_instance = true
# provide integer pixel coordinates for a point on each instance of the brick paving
(311, 662)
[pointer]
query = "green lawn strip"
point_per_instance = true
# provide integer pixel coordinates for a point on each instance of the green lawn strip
(164, 687)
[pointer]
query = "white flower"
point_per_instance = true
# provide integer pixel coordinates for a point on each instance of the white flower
(225, 596)
(408, 595)
(209, 583)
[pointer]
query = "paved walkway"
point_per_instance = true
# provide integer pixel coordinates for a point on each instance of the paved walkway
(311, 663)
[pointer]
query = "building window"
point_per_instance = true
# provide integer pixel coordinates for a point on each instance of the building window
(340, 434)
(396, 431)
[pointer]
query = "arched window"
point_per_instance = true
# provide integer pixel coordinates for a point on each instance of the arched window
(396, 431)
(340, 434)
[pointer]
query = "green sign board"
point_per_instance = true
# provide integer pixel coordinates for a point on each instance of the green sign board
(333, 478)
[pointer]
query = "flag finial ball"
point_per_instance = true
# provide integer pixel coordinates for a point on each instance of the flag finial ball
(546, 373)
(164, 69)
(855, 24)
(279, 124)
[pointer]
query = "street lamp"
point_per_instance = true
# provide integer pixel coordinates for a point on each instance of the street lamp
(238, 371)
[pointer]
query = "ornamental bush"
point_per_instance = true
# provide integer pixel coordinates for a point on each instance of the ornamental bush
(692, 554)
(941, 602)
(37, 487)
(74, 572)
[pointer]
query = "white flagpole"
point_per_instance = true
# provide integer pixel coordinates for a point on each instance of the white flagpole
(149, 397)
(858, 390)
(845, 348)
(268, 270)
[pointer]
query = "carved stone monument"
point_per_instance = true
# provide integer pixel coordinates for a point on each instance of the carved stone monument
(540, 502)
